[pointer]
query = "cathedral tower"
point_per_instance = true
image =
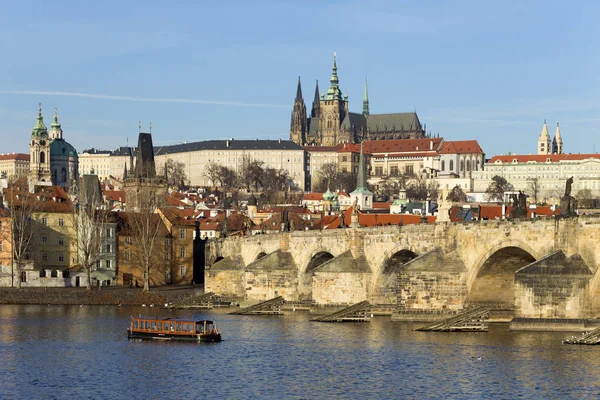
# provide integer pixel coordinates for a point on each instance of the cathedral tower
(544, 142)
(334, 108)
(298, 122)
(557, 143)
(366, 100)
(39, 153)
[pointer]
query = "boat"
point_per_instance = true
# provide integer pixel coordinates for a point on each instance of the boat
(185, 330)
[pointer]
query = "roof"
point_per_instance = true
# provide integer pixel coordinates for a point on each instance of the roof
(60, 147)
(120, 151)
(354, 121)
(461, 147)
(228, 145)
(353, 148)
(543, 158)
(322, 149)
(403, 145)
(408, 121)
(179, 216)
(115, 195)
(14, 156)
(312, 197)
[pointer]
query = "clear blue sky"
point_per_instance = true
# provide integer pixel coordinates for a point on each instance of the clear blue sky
(208, 70)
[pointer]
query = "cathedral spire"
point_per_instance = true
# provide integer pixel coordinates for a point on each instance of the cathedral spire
(361, 180)
(299, 91)
(55, 128)
(544, 141)
(334, 92)
(366, 100)
(316, 105)
(558, 141)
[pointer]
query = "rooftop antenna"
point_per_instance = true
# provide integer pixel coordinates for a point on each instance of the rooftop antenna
(139, 126)
(150, 127)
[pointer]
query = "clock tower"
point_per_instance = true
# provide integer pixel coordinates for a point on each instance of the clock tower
(39, 153)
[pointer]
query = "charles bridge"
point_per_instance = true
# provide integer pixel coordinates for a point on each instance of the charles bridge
(539, 268)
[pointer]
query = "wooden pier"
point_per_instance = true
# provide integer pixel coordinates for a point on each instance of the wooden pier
(590, 338)
(269, 307)
(359, 312)
(474, 320)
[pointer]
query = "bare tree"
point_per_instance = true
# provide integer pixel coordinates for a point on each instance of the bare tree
(212, 171)
(89, 221)
(584, 198)
(147, 231)
(227, 177)
(19, 209)
(457, 195)
(250, 172)
(174, 171)
(533, 189)
(498, 186)
(328, 174)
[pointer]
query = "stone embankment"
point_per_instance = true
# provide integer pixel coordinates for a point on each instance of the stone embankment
(105, 296)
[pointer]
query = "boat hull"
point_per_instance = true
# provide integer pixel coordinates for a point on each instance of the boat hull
(202, 338)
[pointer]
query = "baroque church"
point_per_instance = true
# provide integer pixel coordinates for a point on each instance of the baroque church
(53, 161)
(330, 123)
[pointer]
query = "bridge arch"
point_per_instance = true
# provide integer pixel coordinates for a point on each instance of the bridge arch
(384, 282)
(492, 279)
(259, 254)
(317, 258)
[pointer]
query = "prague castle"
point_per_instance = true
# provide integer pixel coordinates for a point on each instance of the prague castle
(330, 123)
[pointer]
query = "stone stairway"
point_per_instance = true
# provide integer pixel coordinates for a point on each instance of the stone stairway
(592, 337)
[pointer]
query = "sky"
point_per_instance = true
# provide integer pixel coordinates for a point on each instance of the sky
(200, 70)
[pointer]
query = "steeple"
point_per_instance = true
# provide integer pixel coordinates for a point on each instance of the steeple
(316, 105)
(125, 171)
(544, 141)
(39, 130)
(299, 91)
(334, 92)
(366, 100)
(361, 196)
(55, 129)
(557, 143)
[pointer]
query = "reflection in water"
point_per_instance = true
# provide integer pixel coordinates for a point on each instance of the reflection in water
(82, 352)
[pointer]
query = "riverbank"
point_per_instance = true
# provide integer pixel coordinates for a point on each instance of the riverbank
(104, 296)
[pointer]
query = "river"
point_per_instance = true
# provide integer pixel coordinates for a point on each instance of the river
(72, 352)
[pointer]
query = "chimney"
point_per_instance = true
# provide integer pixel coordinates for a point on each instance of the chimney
(431, 145)
(503, 211)
(227, 143)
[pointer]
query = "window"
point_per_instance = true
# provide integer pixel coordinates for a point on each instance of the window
(409, 170)
(127, 255)
(378, 171)
(0, 245)
(128, 240)
(61, 241)
(167, 254)
(61, 222)
(108, 248)
(23, 276)
(107, 264)
(443, 165)
(344, 158)
(61, 258)
(44, 257)
(167, 242)
(451, 165)
(182, 270)
(394, 170)
(108, 232)
(344, 170)
(44, 221)
(182, 252)
(181, 233)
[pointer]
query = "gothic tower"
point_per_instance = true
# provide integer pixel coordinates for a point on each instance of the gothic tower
(544, 142)
(316, 105)
(334, 108)
(298, 122)
(557, 143)
(39, 153)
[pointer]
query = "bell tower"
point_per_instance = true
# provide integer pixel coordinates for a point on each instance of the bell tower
(334, 108)
(39, 154)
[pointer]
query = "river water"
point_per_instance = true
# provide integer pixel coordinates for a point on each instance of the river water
(70, 352)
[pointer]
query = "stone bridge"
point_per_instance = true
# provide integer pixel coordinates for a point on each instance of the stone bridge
(542, 268)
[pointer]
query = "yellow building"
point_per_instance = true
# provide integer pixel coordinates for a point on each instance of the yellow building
(13, 165)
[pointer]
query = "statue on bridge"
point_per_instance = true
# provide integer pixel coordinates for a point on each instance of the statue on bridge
(568, 203)
(519, 209)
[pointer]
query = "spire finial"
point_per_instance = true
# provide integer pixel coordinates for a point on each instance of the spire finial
(150, 126)
(299, 90)
(40, 108)
(366, 99)
(139, 126)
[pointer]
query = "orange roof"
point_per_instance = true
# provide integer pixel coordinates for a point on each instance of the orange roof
(403, 145)
(15, 156)
(173, 202)
(543, 158)
(312, 196)
(385, 219)
(381, 205)
(461, 147)
(324, 149)
(354, 148)
(115, 195)
(178, 216)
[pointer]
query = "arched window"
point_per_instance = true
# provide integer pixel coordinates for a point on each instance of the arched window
(42, 157)
(468, 165)
(451, 165)
(63, 175)
(462, 165)
(443, 165)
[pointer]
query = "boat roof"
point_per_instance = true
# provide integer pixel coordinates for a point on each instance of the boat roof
(174, 319)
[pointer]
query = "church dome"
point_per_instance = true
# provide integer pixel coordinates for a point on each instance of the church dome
(252, 201)
(60, 147)
(328, 195)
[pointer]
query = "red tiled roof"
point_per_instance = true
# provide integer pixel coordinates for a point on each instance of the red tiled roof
(173, 202)
(461, 147)
(324, 149)
(14, 156)
(312, 196)
(543, 157)
(115, 195)
(381, 205)
(354, 148)
(403, 145)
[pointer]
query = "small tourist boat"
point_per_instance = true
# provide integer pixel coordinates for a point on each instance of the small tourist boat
(150, 328)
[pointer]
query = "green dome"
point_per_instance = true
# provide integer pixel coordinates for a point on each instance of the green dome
(328, 196)
(60, 147)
